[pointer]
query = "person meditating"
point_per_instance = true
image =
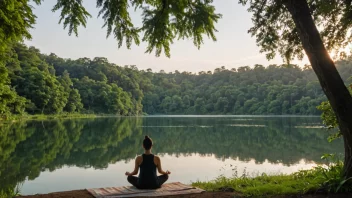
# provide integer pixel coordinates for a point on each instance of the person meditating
(147, 163)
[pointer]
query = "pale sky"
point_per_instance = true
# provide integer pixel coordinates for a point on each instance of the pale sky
(234, 47)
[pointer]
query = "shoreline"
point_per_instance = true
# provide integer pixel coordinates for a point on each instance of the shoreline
(85, 194)
(15, 118)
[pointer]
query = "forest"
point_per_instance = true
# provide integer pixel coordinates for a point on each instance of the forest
(36, 83)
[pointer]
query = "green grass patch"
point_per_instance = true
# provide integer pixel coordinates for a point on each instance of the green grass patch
(263, 185)
(324, 178)
(13, 118)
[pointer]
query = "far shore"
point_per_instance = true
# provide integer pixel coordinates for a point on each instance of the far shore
(15, 118)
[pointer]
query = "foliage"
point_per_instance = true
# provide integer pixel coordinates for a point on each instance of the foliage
(74, 103)
(49, 84)
(332, 175)
(73, 14)
(163, 21)
(323, 178)
(47, 89)
(276, 89)
(10, 193)
(329, 118)
(34, 81)
(10, 102)
(276, 32)
(16, 18)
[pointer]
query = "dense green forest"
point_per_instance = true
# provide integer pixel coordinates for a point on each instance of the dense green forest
(36, 83)
(102, 141)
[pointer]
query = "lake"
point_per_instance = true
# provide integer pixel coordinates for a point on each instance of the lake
(60, 155)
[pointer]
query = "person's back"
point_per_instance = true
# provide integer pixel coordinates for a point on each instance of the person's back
(147, 164)
(147, 176)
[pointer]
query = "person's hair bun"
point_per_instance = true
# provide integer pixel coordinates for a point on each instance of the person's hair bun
(147, 142)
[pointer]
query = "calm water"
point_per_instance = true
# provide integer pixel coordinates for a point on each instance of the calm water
(60, 155)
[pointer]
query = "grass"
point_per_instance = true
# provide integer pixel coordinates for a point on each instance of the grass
(327, 179)
(13, 118)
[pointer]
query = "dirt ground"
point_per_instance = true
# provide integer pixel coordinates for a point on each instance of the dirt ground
(85, 194)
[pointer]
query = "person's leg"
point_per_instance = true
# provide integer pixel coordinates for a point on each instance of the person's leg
(133, 180)
(163, 179)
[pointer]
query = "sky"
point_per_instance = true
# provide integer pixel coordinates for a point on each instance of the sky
(234, 46)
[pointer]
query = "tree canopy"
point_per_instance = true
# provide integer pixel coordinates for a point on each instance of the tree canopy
(39, 83)
(167, 20)
(276, 32)
(163, 21)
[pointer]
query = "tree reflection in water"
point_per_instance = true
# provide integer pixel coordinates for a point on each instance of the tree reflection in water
(28, 148)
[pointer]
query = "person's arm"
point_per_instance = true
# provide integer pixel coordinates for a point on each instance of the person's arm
(136, 167)
(158, 165)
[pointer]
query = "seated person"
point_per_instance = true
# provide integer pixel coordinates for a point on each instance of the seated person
(147, 163)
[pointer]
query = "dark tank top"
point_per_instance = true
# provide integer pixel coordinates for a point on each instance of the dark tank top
(147, 178)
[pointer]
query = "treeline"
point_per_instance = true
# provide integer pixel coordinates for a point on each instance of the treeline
(276, 89)
(50, 85)
(35, 83)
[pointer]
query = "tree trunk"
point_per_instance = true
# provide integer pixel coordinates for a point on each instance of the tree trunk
(43, 109)
(330, 80)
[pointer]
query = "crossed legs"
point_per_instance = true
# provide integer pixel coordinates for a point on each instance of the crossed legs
(134, 180)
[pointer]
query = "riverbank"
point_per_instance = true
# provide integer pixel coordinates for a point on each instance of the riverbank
(85, 194)
(26, 117)
(322, 179)
(319, 182)
(15, 118)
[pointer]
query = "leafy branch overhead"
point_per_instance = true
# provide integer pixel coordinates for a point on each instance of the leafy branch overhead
(73, 14)
(166, 20)
(16, 18)
(275, 30)
(163, 21)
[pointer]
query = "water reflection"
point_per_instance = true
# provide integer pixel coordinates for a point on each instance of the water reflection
(29, 148)
(184, 169)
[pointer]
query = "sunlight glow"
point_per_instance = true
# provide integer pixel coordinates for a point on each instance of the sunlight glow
(337, 56)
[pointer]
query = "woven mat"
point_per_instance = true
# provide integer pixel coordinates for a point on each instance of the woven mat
(175, 188)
